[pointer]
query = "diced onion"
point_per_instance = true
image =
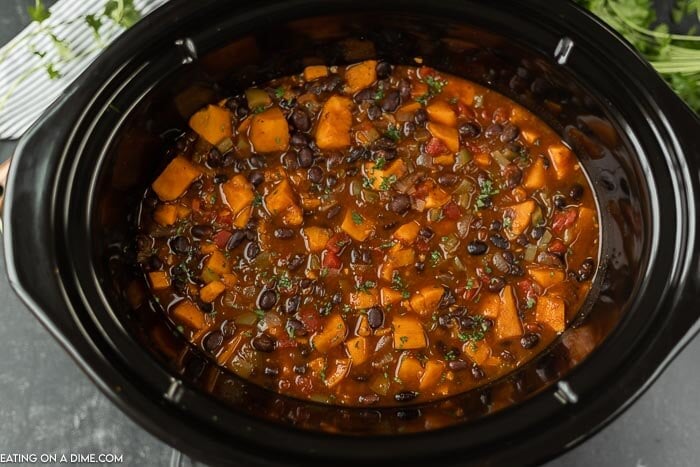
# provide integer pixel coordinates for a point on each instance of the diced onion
(225, 145)
(530, 253)
(463, 158)
(544, 241)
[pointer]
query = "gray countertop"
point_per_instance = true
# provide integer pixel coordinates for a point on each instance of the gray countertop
(49, 406)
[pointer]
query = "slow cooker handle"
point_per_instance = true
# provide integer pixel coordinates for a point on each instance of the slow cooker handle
(4, 171)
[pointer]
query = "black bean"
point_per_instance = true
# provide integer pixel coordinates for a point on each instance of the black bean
(305, 157)
(383, 69)
(374, 112)
(493, 130)
(426, 232)
(509, 257)
(284, 233)
(400, 203)
(496, 225)
(334, 211)
(242, 112)
(409, 128)
(256, 177)
(201, 231)
(296, 327)
(300, 120)
(496, 284)
(586, 270)
(251, 250)
(458, 365)
(366, 94)
(295, 262)
(445, 320)
(154, 263)
(404, 88)
(291, 305)
(180, 245)
(500, 263)
(256, 162)
(384, 143)
(298, 139)
(263, 343)
(205, 307)
(513, 175)
(420, 117)
(375, 317)
(337, 298)
(510, 132)
(271, 372)
(576, 192)
(499, 242)
(391, 101)
(389, 225)
(315, 174)
(448, 299)
(516, 270)
(420, 266)
(215, 158)
(537, 232)
(331, 181)
(477, 373)
(405, 396)
(529, 340)
(236, 238)
(267, 299)
(213, 341)
(477, 248)
(522, 240)
(559, 202)
(250, 231)
(447, 179)
(357, 153)
(469, 130)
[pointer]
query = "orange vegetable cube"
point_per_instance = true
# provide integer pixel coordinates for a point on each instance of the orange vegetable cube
(159, 280)
(362, 327)
(269, 131)
(175, 179)
(333, 334)
(409, 371)
(316, 238)
(408, 333)
(563, 160)
(426, 300)
(401, 257)
(357, 226)
(551, 311)
(381, 179)
(363, 299)
(333, 129)
(520, 215)
(441, 112)
(478, 352)
(187, 314)
(357, 349)
(282, 201)
(217, 263)
(165, 214)
(314, 72)
(546, 277)
(237, 193)
(407, 232)
(535, 175)
(212, 123)
(209, 292)
(446, 134)
(338, 372)
(389, 296)
(432, 374)
(360, 75)
(406, 111)
(508, 322)
(230, 280)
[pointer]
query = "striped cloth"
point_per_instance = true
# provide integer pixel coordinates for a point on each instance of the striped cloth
(26, 89)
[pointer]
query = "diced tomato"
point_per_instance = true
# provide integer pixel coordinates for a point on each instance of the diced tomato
(338, 242)
(435, 147)
(286, 342)
(221, 238)
(331, 260)
(527, 288)
(311, 319)
(452, 211)
(468, 293)
(563, 220)
(557, 247)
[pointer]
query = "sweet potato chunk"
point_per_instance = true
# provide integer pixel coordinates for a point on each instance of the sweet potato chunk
(508, 323)
(217, 263)
(230, 280)
(357, 226)
(407, 232)
(175, 179)
(551, 311)
(159, 280)
(316, 238)
(446, 134)
(431, 374)
(282, 201)
(237, 193)
(338, 372)
(212, 123)
(490, 305)
(333, 129)
(546, 277)
(563, 160)
(400, 257)
(389, 296)
(408, 333)
(357, 349)
(209, 292)
(269, 131)
(382, 179)
(363, 299)
(361, 75)
(520, 215)
(165, 214)
(478, 352)
(535, 176)
(333, 333)
(441, 112)
(187, 314)
(409, 371)
(426, 300)
(436, 197)
(314, 72)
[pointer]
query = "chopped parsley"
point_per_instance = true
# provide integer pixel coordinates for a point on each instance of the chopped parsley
(387, 182)
(393, 133)
(290, 331)
(530, 303)
(324, 272)
(259, 109)
(487, 191)
(451, 355)
(435, 84)
(478, 333)
(279, 92)
(423, 100)
(380, 163)
(435, 257)
(368, 182)
(397, 283)
(259, 312)
(387, 244)
(284, 282)
(379, 95)
(507, 222)
(403, 339)
(357, 218)
(257, 199)
(365, 286)
(470, 284)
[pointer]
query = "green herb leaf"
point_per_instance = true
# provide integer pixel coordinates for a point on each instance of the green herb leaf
(393, 133)
(279, 92)
(357, 218)
(122, 12)
(38, 12)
